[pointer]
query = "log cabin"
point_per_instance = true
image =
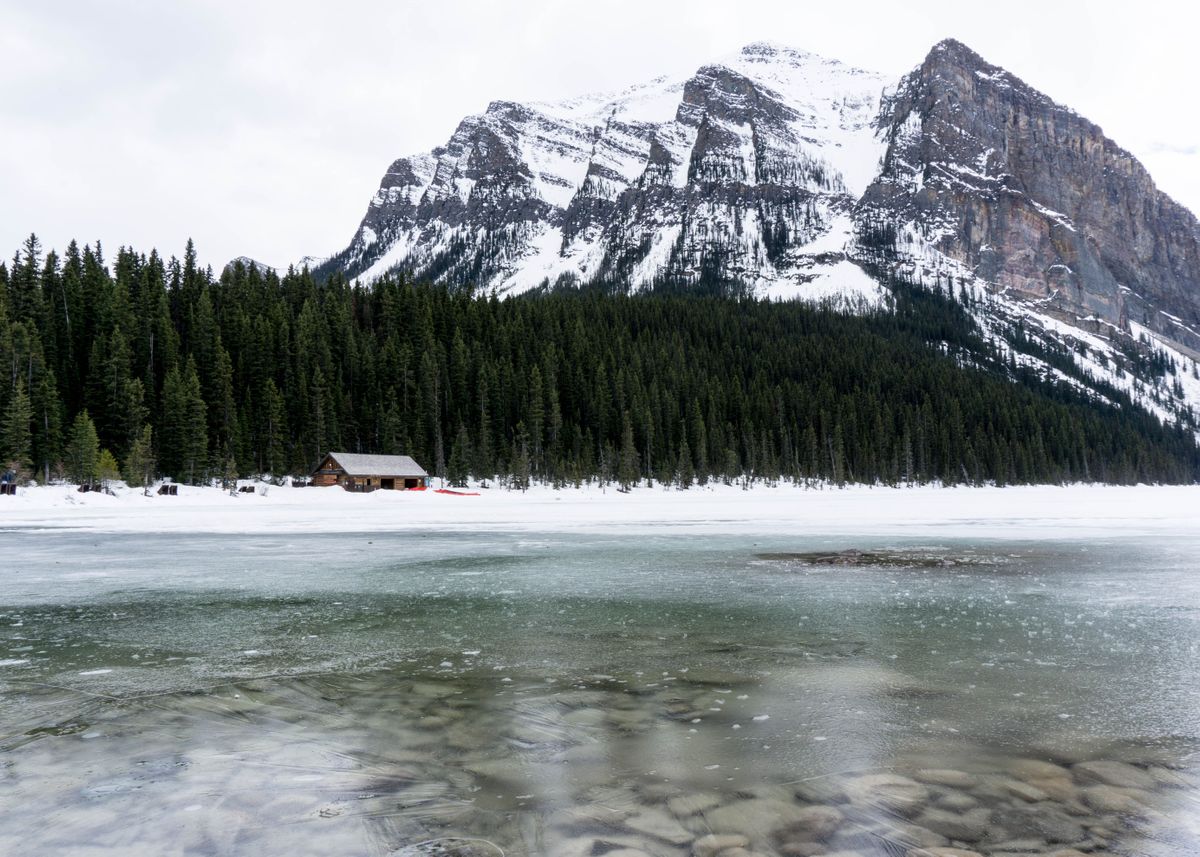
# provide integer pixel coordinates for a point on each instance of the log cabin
(356, 472)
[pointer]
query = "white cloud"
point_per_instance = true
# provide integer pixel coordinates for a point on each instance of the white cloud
(262, 128)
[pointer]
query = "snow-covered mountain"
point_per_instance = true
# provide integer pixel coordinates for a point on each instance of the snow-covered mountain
(750, 167)
(794, 176)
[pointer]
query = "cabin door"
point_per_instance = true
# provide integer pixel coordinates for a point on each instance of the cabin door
(387, 484)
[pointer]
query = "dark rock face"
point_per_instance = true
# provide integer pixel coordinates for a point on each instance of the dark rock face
(726, 172)
(1033, 198)
(775, 168)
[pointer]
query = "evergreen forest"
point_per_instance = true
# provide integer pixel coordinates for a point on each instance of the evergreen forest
(140, 367)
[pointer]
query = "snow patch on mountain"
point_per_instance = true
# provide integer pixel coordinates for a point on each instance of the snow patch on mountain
(670, 178)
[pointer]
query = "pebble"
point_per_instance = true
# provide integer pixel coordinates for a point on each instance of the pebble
(903, 833)
(1114, 774)
(946, 777)
(656, 823)
(741, 852)
(1030, 770)
(816, 822)
(970, 826)
(1112, 799)
(585, 718)
(685, 805)
(1044, 819)
(1024, 791)
(1020, 846)
(889, 791)
(821, 790)
(710, 845)
(803, 849)
(760, 818)
(956, 801)
(1170, 779)
(1061, 789)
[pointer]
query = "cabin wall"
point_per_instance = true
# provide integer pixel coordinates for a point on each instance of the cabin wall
(330, 473)
(366, 484)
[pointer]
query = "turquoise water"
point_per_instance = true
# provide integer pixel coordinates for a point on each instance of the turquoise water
(582, 695)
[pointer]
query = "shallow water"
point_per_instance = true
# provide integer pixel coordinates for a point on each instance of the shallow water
(581, 695)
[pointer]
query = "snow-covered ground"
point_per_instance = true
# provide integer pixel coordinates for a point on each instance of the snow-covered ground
(1035, 512)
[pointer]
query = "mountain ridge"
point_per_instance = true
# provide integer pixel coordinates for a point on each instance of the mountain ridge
(778, 172)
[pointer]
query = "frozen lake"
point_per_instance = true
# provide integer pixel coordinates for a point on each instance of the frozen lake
(582, 694)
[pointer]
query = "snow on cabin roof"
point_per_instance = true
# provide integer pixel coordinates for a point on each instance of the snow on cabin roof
(377, 465)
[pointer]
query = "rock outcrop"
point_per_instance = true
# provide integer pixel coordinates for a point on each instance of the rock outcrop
(781, 173)
(1031, 197)
(745, 172)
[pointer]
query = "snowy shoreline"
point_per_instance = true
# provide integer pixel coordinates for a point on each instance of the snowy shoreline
(1033, 512)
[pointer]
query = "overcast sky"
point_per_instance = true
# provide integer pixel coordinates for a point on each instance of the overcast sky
(263, 128)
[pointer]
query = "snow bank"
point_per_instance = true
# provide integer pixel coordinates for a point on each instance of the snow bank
(1037, 512)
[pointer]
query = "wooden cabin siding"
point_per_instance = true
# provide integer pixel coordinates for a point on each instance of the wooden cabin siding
(408, 477)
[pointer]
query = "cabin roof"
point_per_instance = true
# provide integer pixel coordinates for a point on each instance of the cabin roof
(377, 465)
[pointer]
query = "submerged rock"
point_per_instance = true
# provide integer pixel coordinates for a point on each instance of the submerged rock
(803, 849)
(764, 819)
(1120, 774)
(1046, 820)
(946, 777)
(710, 845)
(892, 792)
(1112, 799)
(685, 805)
(656, 823)
(970, 826)
(855, 557)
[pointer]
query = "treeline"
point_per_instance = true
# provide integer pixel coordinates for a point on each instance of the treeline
(155, 366)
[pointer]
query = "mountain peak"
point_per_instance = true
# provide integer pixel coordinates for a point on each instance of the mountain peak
(767, 48)
(952, 45)
(765, 168)
(952, 52)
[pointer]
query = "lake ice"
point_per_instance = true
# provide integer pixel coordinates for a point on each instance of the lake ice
(583, 694)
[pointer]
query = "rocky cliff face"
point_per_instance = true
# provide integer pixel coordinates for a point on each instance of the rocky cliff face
(1032, 198)
(782, 173)
(746, 171)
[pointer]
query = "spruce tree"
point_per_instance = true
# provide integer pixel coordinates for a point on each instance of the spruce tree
(195, 435)
(18, 439)
(140, 464)
(627, 468)
(460, 458)
(107, 469)
(685, 473)
(83, 450)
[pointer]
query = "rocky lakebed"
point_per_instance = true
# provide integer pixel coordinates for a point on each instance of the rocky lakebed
(568, 697)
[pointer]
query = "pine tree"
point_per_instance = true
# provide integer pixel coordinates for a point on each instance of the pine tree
(274, 431)
(140, 464)
(83, 451)
(520, 459)
(107, 470)
(18, 439)
(685, 473)
(195, 435)
(627, 467)
(47, 421)
(172, 424)
(460, 458)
